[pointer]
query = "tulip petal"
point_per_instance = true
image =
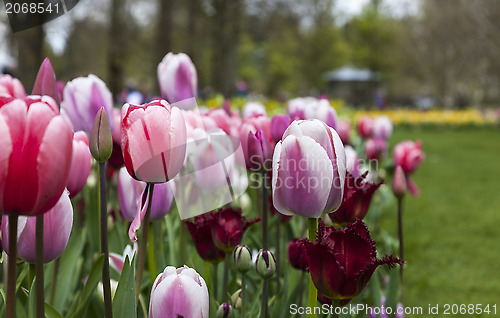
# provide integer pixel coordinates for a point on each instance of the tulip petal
(141, 212)
(6, 151)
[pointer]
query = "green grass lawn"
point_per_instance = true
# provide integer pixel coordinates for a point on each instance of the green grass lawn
(452, 231)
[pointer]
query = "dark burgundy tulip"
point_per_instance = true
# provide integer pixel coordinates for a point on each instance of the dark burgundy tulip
(297, 255)
(342, 261)
(228, 226)
(201, 233)
(279, 124)
(358, 193)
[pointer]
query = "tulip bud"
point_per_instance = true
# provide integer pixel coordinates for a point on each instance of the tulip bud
(81, 163)
(101, 142)
(265, 264)
(399, 183)
(236, 299)
(242, 257)
(279, 124)
(224, 311)
(45, 83)
(259, 151)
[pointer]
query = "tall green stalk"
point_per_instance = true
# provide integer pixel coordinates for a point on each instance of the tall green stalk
(108, 310)
(40, 297)
(144, 243)
(10, 309)
(313, 293)
(265, 245)
(400, 234)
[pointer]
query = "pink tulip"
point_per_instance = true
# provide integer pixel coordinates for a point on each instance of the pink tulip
(365, 127)
(177, 78)
(129, 197)
(153, 141)
(382, 127)
(252, 124)
(399, 182)
(194, 120)
(82, 99)
(81, 163)
(344, 130)
(35, 157)
(45, 83)
(309, 168)
(252, 109)
(408, 155)
(375, 149)
(57, 225)
(180, 292)
(279, 124)
(11, 86)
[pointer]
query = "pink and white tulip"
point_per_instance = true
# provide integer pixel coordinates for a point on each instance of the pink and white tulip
(382, 127)
(81, 164)
(180, 292)
(252, 109)
(409, 155)
(177, 78)
(153, 141)
(57, 225)
(309, 168)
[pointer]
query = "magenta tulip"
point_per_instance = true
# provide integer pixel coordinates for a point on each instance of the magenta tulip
(344, 130)
(309, 168)
(180, 292)
(252, 124)
(57, 225)
(365, 127)
(342, 261)
(259, 152)
(35, 160)
(375, 149)
(81, 164)
(279, 124)
(11, 86)
(45, 83)
(177, 78)
(129, 196)
(153, 141)
(82, 99)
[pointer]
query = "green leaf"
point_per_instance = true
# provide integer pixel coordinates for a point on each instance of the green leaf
(392, 297)
(80, 305)
(124, 300)
(51, 312)
(69, 267)
(32, 300)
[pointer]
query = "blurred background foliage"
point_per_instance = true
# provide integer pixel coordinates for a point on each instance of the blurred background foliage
(447, 50)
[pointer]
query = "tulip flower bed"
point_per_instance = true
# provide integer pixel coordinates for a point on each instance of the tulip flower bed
(186, 212)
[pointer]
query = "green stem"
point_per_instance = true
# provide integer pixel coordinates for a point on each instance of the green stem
(108, 310)
(151, 257)
(278, 252)
(182, 241)
(144, 243)
(313, 293)
(243, 296)
(301, 289)
(54, 280)
(265, 291)
(40, 297)
(12, 268)
(265, 244)
(400, 234)
(216, 279)
(225, 293)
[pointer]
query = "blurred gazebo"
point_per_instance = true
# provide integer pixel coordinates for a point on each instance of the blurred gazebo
(355, 86)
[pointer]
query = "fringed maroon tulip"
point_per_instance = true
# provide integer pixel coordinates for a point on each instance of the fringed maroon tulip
(365, 127)
(201, 232)
(409, 156)
(153, 141)
(382, 127)
(252, 109)
(399, 182)
(358, 193)
(45, 83)
(129, 197)
(177, 78)
(309, 168)
(180, 292)
(228, 226)
(57, 225)
(297, 255)
(279, 124)
(259, 152)
(82, 99)
(81, 164)
(11, 86)
(35, 157)
(342, 261)
(375, 149)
